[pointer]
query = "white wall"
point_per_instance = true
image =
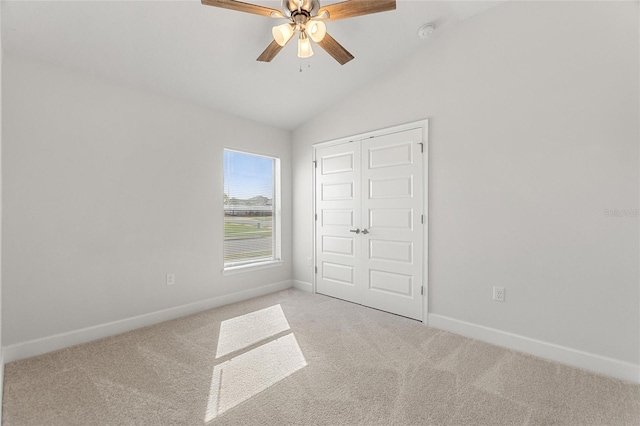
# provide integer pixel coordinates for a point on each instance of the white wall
(106, 190)
(533, 110)
(1, 351)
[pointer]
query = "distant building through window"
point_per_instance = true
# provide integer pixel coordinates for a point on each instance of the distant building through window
(251, 208)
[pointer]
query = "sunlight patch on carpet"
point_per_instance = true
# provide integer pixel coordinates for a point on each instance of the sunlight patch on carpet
(243, 331)
(250, 373)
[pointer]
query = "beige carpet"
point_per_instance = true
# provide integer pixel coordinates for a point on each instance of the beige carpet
(296, 358)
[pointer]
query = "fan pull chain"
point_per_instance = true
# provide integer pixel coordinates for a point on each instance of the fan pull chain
(308, 65)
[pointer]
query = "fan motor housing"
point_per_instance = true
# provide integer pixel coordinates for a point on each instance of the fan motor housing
(290, 7)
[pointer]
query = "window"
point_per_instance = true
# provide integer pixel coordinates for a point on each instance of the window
(251, 209)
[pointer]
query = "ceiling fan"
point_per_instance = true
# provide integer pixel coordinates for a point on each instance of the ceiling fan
(307, 20)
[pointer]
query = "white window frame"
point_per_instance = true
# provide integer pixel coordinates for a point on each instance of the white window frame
(276, 261)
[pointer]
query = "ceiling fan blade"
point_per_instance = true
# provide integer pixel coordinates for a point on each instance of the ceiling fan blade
(244, 7)
(351, 8)
(270, 52)
(335, 49)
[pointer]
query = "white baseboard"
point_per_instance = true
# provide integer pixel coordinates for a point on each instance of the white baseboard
(596, 363)
(63, 340)
(303, 285)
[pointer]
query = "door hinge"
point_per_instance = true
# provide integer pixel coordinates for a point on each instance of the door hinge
(422, 291)
(316, 216)
(422, 219)
(316, 269)
(315, 164)
(421, 147)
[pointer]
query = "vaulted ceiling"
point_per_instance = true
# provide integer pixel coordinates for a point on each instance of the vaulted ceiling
(208, 55)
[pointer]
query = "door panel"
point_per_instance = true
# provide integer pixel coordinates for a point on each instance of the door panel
(338, 273)
(391, 251)
(339, 163)
(337, 205)
(338, 245)
(337, 191)
(388, 282)
(387, 188)
(338, 217)
(393, 257)
(391, 155)
(375, 184)
(390, 219)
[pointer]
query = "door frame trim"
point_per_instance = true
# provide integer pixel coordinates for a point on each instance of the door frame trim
(420, 124)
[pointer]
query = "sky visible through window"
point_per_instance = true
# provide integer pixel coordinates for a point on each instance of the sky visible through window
(247, 176)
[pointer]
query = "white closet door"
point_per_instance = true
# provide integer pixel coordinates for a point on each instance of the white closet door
(392, 209)
(369, 235)
(338, 209)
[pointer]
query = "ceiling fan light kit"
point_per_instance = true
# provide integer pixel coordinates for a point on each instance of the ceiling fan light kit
(304, 46)
(283, 33)
(307, 19)
(316, 30)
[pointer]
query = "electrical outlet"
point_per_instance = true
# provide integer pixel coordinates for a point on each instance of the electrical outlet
(498, 294)
(171, 279)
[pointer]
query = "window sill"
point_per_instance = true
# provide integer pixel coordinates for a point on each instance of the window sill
(232, 270)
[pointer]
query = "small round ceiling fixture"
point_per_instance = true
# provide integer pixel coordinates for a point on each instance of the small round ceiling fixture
(426, 30)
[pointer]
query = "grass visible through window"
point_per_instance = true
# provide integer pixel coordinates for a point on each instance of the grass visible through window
(246, 230)
(247, 238)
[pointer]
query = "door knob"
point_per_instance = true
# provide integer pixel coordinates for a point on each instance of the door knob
(365, 231)
(357, 230)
